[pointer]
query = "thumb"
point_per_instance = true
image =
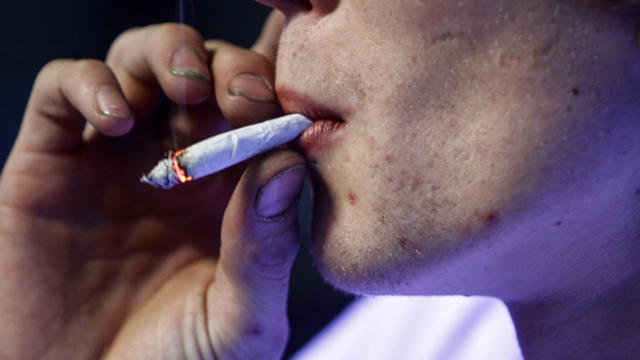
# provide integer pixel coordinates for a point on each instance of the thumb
(247, 302)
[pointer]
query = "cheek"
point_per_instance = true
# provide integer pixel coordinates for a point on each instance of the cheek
(440, 181)
(438, 150)
(450, 157)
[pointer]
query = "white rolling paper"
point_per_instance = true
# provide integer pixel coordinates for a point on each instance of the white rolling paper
(224, 150)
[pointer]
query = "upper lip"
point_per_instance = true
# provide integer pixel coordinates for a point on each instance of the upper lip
(296, 102)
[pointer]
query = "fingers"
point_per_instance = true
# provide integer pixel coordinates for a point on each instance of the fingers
(267, 43)
(259, 244)
(245, 79)
(166, 58)
(64, 94)
(172, 58)
(243, 84)
(147, 62)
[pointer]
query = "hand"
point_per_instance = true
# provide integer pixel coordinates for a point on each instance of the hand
(98, 265)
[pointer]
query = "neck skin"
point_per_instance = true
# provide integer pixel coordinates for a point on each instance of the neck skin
(596, 326)
(583, 299)
(578, 293)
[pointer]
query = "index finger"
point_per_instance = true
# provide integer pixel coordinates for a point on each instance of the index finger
(167, 58)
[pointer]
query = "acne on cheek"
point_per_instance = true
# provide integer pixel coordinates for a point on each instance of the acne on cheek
(352, 198)
(490, 217)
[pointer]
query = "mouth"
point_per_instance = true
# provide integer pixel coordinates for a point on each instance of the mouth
(327, 125)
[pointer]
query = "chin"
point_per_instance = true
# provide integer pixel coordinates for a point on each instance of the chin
(355, 254)
(362, 270)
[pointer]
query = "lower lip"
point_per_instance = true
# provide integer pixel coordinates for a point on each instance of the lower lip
(318, 137)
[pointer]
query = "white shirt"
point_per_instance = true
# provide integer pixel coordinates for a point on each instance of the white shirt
(418, 328)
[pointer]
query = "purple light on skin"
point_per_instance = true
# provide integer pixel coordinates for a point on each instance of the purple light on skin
(412, 328)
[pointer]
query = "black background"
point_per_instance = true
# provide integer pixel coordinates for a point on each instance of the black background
(33, 33)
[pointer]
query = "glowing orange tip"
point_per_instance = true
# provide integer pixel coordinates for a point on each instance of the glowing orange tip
(180, 172)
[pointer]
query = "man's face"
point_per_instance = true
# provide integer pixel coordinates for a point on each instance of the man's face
(460, 117)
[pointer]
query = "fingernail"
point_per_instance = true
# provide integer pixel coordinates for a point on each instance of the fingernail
(187, 62)
(111, 102)
(253, 87)
(281, 192)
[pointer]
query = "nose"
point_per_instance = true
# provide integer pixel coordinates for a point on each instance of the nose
(290, 7)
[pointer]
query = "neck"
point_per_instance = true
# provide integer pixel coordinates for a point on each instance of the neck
(591, 326)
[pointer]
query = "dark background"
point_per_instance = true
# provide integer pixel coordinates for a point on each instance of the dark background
(35, 32)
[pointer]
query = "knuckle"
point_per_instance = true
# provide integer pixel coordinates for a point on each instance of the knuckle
(120, 44)
(54, 65)
(172, 28)
(49, 70)
(82, 66)
(126, 35)
(213, 45)
(233, 52)
(85, 72)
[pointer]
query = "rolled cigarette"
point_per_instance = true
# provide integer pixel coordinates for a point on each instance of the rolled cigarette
(224, 150)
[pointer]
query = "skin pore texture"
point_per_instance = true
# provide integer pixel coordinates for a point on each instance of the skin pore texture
(483, 148)
(489, 148)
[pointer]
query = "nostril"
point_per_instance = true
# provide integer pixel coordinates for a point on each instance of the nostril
(323, 6)
(288, 6)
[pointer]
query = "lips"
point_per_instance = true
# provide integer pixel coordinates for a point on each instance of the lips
(327, 124)
(318, 137)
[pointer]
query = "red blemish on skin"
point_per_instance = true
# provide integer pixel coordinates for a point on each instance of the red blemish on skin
(416, 184)
(180, 172)
(403, 241)
(389, 157)
(491, 218)
(352, 198)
